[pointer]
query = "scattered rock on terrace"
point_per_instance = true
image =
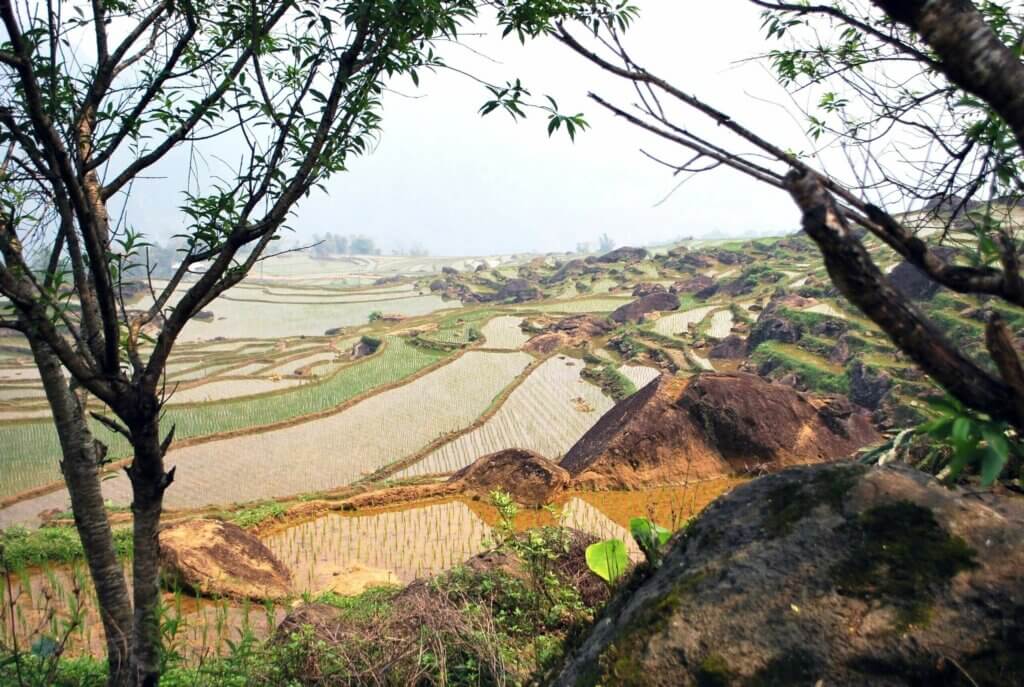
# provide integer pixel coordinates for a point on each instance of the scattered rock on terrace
(731, 346)
(529, 477)
(215, 558)
(647, 288)
(624, 254)
(831, 574)
(914, 283)
(635, 311)
(712, 425)
(569, 332)
(518, 290)
(696, 283)
(773, 325)
(868, 386)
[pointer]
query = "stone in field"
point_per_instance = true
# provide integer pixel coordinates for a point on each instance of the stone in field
(214, 558)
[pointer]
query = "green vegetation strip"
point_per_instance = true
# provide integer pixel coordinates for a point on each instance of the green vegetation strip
(30, 451)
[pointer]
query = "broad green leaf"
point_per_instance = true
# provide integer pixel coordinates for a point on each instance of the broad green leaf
(643, 528)
(608, 559)
(991, 465)
(997, 441)
(962, 429)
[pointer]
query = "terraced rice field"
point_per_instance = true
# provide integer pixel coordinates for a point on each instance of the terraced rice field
(827, 309)
(410, 543)
(336, 450)
(504, 332)
(240, 319)
(586, 305)
(639, 375)
(671, 325)
(701, 362)
(29, 452)
(547, 413)
(721, 324)
(222, 389)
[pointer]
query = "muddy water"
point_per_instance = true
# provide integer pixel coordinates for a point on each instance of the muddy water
(412, 541)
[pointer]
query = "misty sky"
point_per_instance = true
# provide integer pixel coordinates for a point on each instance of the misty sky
(458, 184)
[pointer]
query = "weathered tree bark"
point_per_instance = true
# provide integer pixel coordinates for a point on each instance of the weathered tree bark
(858, 278)
(149, 481)
(80, 466)
(970, 53)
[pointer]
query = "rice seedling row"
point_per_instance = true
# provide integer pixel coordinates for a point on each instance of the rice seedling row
(504, 332)
(29, 453)
(671, 325)
(547, 413)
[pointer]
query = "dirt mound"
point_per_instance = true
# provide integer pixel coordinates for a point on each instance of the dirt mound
(655, 302)
(531, 478)
(215, 558)
(834, 575)
(711, 425)
(395, 495)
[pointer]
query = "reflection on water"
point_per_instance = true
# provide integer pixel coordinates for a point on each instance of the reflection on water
(412, 541)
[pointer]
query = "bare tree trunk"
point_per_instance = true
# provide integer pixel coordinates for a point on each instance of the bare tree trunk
(148, 484)
(80, 466)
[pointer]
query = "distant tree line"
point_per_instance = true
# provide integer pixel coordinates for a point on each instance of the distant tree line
(338, 244)
(604, 244)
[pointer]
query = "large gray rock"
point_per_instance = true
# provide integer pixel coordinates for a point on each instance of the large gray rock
(834, 575)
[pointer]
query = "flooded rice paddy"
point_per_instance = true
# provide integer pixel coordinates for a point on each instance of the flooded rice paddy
(408, 542)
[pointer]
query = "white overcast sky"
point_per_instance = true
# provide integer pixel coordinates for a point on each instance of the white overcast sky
(458, 184)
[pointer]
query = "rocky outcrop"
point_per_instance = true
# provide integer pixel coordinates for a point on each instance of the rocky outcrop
(915, 284)
(635, 311)
(694, 284)
(624, 254)
(730, 347)
(868, 386)
(647, 288)
(518, 290)
(772, 324)
(215, 558)
(529, 477)
(711, 425)
(830, 575)
(570, 332)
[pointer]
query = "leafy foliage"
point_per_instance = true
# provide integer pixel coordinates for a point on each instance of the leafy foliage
(608, 559)
(975, 440)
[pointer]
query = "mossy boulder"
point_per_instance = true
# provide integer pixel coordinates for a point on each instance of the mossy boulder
(831, 574)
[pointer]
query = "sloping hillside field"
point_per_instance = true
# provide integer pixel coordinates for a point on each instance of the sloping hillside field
(323, 374)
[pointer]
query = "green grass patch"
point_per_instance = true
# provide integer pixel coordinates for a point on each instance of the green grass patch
(817, 373)
(23, 548)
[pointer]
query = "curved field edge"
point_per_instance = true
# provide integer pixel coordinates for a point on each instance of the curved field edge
(30, 450)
